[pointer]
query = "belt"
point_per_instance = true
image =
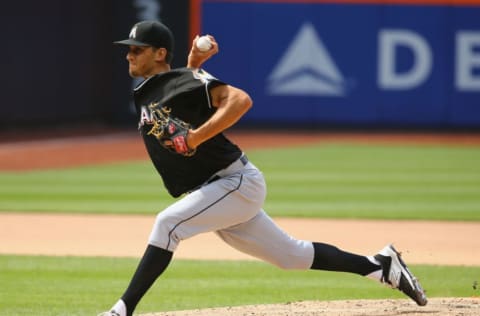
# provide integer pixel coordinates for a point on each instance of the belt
(235, 166)
(244, 160)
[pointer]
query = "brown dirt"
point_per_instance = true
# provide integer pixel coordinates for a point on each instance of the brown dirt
(435, 307)
(90, 235)
(19, 153)
(422, 242)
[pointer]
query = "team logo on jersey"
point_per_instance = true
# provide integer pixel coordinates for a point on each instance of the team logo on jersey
(306, 68)
(145, 116)
(202, 75)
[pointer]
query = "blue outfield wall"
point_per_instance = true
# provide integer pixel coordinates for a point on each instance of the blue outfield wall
(360, 65)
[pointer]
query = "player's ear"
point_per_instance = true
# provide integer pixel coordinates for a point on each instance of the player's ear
(161, 54)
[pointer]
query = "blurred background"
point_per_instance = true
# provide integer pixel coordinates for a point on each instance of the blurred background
(311, 64)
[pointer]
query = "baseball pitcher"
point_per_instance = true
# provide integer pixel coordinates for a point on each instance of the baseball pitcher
(181, 116)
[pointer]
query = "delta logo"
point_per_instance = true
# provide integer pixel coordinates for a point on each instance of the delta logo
(306, 68)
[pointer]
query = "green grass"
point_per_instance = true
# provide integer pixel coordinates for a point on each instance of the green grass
(50, 286)
(341, 181)
(336, 180)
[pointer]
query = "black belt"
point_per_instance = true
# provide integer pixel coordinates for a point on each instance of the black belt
(243, 159)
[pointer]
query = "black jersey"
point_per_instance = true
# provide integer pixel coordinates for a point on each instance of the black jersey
(187, 93)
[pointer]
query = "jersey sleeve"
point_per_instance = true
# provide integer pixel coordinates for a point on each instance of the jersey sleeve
(209, 82)
(205, 77)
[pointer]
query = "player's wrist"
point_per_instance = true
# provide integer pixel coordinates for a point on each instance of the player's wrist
(192, 139)
(194, 61)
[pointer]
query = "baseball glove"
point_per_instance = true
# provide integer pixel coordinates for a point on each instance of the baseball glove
(170, 131)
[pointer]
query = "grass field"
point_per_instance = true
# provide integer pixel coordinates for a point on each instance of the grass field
(51, 286)
(341, 181)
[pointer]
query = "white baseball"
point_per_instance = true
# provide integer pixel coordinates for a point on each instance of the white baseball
(204, 43)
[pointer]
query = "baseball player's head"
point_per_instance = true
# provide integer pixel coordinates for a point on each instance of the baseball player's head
(150, 46)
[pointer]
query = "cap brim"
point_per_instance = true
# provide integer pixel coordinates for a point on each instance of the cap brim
(132, 42)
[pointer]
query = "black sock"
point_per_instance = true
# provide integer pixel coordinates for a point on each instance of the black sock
(154, 261)
(328, 257)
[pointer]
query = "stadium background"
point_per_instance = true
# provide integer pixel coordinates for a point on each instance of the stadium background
(317, 64)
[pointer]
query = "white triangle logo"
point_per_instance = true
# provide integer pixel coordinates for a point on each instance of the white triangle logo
(306, 68)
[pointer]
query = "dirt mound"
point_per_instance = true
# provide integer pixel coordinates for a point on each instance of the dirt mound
(435, 307)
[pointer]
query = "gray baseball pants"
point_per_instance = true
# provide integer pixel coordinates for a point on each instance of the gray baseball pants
(232, 208)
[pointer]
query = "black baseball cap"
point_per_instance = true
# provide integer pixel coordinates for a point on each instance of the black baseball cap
(149, 33)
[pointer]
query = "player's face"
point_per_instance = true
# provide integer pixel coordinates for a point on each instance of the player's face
(141, 61)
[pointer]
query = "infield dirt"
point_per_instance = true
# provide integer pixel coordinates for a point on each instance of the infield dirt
(436, 307)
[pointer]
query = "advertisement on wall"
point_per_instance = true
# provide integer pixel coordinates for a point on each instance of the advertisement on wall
(326, 63)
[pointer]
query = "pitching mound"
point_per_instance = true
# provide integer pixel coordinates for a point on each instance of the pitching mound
(436, 307)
